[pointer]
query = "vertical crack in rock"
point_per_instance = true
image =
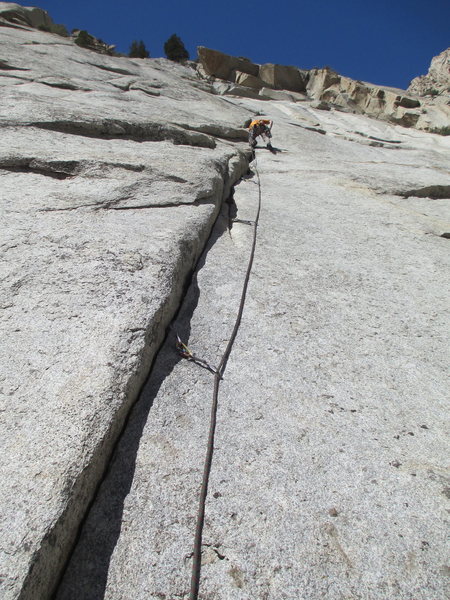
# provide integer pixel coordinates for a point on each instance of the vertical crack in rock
(85, 488)
(123, 467)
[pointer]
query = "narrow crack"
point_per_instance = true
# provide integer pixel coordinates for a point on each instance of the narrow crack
(64, 85)
(68, 208)
(309, 128)
(197, 202)
(113, 69)
(141, 206)
(4, 66)
(64, 169)
(112, 205)
(372, 137)
(175, 179)
(232, 210)
(38, 170)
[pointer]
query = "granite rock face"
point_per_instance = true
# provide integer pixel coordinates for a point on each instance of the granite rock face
(109, 187)
(281, 77)
(388, 104)
(247, 80)
(116, 174)
(243, 72)
(437, 80)
(327, 89)
(328, 477)
(27, 16)
(218, 64)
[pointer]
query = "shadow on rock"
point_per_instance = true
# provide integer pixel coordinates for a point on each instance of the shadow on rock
(86, 575)
(271, 149)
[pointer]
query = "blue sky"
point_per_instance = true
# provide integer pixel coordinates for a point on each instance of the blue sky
(385, 42)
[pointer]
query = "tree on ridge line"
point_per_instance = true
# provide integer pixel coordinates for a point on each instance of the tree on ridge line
(138, 50)
(175, 50)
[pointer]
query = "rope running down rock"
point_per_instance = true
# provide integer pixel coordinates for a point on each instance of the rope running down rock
(197, 551)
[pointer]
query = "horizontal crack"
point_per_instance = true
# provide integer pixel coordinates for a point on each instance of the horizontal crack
(4, 66)
(112, 205)
(197, 202)
(310, 128)
(372, 137)
(138, 132)
(113, 69)
(140, 206)
(67, 208)
(36, 170)
(436, 192)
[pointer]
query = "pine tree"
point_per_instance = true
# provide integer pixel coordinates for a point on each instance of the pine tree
(138, 50)
(175, 50)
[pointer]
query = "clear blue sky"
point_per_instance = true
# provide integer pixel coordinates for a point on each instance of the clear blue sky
(386, 42)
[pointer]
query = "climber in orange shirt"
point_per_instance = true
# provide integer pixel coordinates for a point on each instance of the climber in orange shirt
(260, 126)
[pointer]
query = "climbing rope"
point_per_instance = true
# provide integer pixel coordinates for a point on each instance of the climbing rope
(197, 550)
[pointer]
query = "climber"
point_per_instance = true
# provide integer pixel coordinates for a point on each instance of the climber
(260, 126)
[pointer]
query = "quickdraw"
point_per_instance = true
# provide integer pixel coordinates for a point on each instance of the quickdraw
(186, 353)
(183, 350)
